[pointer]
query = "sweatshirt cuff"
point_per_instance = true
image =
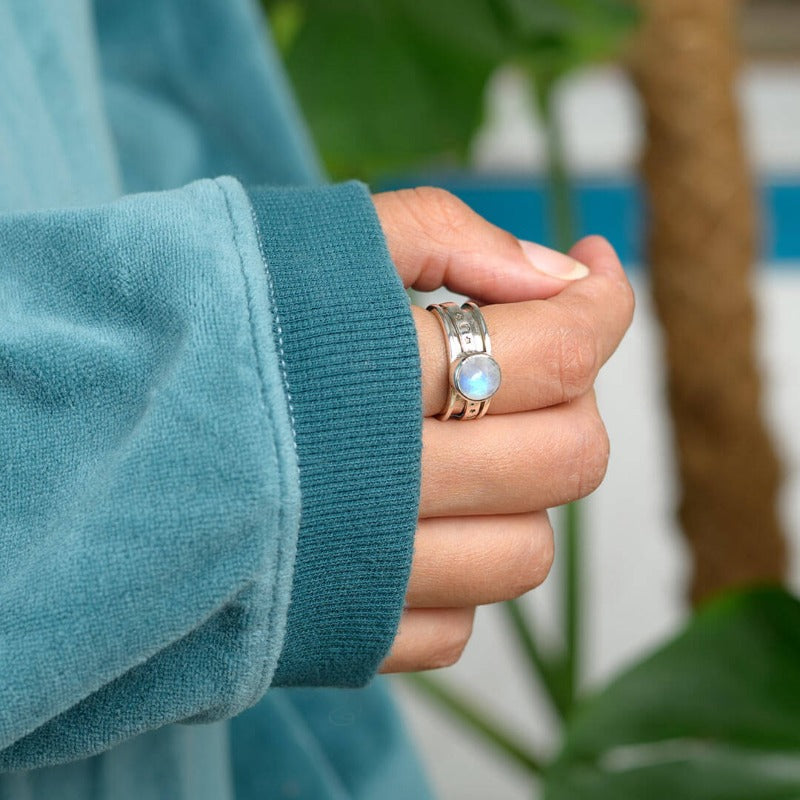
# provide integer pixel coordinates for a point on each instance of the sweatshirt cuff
(351, 367)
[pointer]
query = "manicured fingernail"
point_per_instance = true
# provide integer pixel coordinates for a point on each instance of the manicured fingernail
(553, 263)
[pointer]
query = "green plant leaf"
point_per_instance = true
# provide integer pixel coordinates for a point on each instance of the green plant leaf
(396, 84)
(553, 37)
(389, 85)
(715, 714)
(286, 20)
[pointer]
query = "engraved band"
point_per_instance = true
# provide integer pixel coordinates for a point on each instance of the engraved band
(473, 375)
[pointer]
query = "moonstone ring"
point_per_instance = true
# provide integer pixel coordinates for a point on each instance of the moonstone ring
(474, 375)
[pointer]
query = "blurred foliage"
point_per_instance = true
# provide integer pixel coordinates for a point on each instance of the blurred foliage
(390, 85)
(713, 715)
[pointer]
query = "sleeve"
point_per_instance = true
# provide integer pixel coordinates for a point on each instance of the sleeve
(210, 429)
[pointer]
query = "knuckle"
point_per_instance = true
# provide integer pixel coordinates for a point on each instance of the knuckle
(452, 644)
(440, 211)
(593, 450)
(534, 561)
(447, 655)
(545, 554)
(577, 360)
(628, 301)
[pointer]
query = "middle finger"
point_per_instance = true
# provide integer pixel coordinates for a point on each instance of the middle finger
(512, 463)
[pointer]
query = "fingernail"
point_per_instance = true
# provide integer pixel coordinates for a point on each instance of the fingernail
(553, 263)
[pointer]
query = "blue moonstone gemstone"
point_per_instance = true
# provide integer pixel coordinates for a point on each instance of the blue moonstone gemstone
(477, 376)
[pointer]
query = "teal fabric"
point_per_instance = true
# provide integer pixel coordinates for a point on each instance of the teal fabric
(347, 375)
(156, 482)
(338, 744)
(203, 74)
(150, 494)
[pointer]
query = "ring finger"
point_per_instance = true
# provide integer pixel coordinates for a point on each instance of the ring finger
(470, 561)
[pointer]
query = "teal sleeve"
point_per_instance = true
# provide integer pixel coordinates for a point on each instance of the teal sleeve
(358, 736)
(353, 376)
(151, 489)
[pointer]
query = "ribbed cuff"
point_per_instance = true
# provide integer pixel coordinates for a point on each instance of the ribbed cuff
(352, 374)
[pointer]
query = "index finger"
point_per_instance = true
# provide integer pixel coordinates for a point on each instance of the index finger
(549, 351)
(437, 240)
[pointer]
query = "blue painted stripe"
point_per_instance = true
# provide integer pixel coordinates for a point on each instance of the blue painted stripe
(614, 208)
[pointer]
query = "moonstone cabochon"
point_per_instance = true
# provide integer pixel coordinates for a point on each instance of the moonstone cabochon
(477, 376)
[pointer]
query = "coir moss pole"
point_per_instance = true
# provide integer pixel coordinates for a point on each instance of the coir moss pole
(702, 248)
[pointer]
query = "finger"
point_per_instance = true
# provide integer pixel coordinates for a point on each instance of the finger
(512, 463)
(436, 240)
(429, 638)
(470, 561)
(549, 351)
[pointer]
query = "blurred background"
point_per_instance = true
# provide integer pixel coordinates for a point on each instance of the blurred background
(648, 665)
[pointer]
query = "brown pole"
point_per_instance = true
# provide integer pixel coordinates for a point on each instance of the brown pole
(702, 246)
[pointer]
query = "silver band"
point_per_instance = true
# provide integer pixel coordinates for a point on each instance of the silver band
(474, 375)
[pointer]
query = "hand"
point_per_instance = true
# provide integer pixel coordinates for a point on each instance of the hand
(483, 534)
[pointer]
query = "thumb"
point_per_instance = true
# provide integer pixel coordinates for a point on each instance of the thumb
(437, 240)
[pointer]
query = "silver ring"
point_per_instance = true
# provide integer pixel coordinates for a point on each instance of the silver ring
(474, 375)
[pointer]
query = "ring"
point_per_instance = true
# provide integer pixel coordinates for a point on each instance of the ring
(474, 375)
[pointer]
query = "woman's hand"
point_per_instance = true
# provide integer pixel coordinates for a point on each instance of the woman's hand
(483, 533)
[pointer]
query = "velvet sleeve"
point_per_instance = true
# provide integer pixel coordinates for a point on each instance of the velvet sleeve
(190, 508)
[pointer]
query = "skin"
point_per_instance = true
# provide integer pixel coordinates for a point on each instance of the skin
(486, 537)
